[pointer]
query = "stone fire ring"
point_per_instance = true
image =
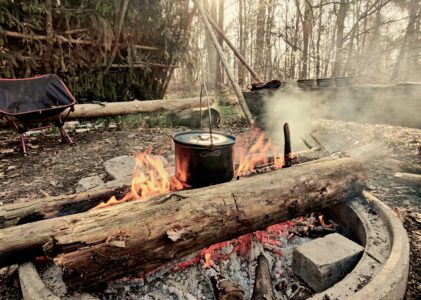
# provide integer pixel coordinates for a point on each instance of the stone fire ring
(381, 273)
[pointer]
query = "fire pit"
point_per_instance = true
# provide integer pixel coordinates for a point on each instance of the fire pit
(215, 241)
(380, 273)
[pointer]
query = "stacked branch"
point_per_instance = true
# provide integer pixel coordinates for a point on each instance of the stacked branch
(100, 245)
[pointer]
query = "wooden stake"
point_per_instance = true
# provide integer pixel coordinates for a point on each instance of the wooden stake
(236, 52)
(234, 83)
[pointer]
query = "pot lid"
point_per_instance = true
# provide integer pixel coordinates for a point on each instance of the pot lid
(203, 138)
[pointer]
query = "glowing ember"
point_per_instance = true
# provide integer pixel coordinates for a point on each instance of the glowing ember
(262, 152)
(150, 179)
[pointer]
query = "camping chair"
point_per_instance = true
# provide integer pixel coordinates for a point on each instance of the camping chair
(32, 100)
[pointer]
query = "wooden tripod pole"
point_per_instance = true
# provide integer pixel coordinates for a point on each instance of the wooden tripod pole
(234, 83)
(238, 54)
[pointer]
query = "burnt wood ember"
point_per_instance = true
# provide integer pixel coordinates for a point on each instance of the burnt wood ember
(263, 288)
(58, 206)
(100, 245)
(223, 288)
(287, 147)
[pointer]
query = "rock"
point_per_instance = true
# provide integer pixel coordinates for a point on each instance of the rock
(324, 261)
(124, 166)
(89, 183)
(82, 130)
(120, 167)
(71, 125)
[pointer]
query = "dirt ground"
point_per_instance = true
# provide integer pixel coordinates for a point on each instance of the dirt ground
(52, 168)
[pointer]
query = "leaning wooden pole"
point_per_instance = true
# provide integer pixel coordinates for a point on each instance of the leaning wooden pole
(105, 244)
(220, 52)
(236, 52)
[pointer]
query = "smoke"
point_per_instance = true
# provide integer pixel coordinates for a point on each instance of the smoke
(394, 105)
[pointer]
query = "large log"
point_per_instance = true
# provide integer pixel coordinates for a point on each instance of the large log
(100, 245)
(52, 207)
(109, 109)
(87, 111)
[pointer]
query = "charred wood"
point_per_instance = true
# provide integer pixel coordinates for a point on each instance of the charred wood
(223, 288)
(100, 245)
(263, 288)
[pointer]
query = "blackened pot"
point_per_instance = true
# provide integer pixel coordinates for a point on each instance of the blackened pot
(200, 161)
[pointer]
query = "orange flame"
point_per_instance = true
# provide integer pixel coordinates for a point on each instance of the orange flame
(262, 152)
(150, 179)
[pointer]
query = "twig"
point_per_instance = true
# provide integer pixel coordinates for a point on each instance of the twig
(319, 143)
(306, 143)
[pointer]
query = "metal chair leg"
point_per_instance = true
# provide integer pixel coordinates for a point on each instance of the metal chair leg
(22, 144)
(65, 136)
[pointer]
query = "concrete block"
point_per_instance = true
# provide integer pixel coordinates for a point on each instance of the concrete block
(324, 261)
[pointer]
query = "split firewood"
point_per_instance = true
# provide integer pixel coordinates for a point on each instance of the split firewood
(408, 179)
(78, 243)
(223, 288)
(51, 207)
(263, 288)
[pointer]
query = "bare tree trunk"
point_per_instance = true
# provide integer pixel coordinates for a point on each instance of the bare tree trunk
(220, 69)
(319, 36)
(307, 27)
(343, 9)
(50, 35)
(260, 38)
(241, 40)
(213, 61)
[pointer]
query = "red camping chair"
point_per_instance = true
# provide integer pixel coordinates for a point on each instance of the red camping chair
(31, 100)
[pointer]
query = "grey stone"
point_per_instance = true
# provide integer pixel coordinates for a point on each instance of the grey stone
(324, 261)
(120, 167)
(124, 166)
(88, 183)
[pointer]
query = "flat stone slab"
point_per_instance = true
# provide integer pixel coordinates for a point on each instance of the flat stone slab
(120, 167)
(324, 261)
(88, 183)
(124, 166)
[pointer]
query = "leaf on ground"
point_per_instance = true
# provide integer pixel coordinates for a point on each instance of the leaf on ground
(6, 151)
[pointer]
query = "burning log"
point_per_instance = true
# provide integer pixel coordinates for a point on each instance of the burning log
(52, 207)
(263, 288)
(100, 245)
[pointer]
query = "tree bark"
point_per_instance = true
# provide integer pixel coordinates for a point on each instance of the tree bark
(340, 23)
(307, 27)
(104, 244)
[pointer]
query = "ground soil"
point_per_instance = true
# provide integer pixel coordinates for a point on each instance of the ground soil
(52, 168)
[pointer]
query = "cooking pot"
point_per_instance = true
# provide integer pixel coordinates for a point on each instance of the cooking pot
(203, 158)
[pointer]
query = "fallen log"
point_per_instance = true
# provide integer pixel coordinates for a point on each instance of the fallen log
(99, 245)
(408, 179)
(109, 109)
(58, 206)
(51, 207)
(87, 111)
